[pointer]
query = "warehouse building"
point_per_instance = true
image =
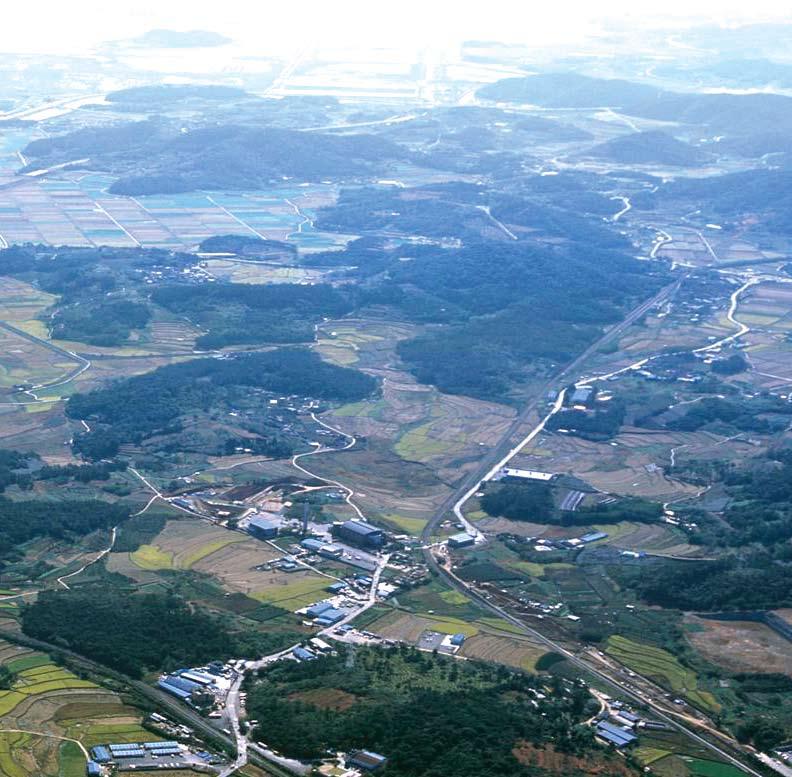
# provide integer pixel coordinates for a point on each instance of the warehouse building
(366, 760)
(614, 735)
(463, 540)
(262, 529)
(315, 610)
(93, 769)
(303, 654)
(359, 533)
(524, 474)
(593, 537)
(331, 616)
(101, 754)
(581, 395)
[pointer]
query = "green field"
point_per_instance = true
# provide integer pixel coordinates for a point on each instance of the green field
(151, 557)
(702, 768)
(418, 444)
(294, 594)
(71, 760)
(658, 664)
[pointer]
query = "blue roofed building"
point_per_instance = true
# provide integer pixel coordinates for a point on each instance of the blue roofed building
(315, 610)
(101, 754)
(359, 533)
(262, 529)
(173, 690)
(615, 735)
(594, 536)
(93, 769)
(312, 544)
(303, 654)
(457, 640)
(331, 616)
(182, 683)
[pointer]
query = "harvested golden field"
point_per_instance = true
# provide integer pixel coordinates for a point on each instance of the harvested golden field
(547, 759)
(511, 651)
(184, 543)
(740, 646)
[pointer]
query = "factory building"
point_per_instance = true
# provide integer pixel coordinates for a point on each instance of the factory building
(93, 769)
(581, 395)
(321, 548)
(262, 529)
(178, 686)
(359, 533)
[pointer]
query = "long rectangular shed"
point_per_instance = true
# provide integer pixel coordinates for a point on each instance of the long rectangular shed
(614, 734)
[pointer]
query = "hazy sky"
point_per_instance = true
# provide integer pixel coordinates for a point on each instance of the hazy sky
(67, 25)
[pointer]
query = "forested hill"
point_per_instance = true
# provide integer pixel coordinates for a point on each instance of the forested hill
(650, 148)
(136, 408)
(155, 156)
(732, 196)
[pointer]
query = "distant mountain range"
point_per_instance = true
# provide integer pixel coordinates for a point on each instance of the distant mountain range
(181, 39)
(729, 115)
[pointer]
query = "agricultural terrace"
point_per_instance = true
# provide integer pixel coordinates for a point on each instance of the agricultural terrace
(662, 667)
(237, 563)
(182, 544)
(49, 715)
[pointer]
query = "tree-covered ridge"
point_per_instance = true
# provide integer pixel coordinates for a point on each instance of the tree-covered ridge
(754, 535)
(430, 715)
(136, 408)
(511, 309)
(139, 633)
(156, 156)
(738, 114)
(518, 278)
(521, 500)
(67, 519)
(650, 147)
(239, 314)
